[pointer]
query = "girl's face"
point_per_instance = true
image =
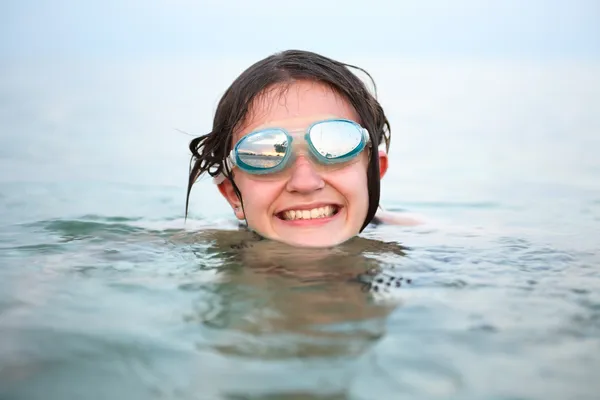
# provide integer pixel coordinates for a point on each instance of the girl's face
(273, 203)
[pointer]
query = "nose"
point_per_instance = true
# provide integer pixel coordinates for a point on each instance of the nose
(304, 178)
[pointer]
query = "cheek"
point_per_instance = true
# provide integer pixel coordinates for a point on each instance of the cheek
(258, 196)
(352, 184)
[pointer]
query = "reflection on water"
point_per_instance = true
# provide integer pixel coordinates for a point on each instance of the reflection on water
(290, 302)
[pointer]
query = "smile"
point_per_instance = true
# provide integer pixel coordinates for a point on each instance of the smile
(308, 214)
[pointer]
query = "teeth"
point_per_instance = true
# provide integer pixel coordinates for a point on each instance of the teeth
(320, 212)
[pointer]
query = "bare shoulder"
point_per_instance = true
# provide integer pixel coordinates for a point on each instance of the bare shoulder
(399, 218)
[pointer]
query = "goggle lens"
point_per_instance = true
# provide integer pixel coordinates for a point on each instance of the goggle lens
(335, 139)
(263, 151)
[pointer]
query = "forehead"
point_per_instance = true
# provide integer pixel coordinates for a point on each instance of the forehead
(294, 106)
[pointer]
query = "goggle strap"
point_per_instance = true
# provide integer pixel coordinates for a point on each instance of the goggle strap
(228, 165)
(367, 137)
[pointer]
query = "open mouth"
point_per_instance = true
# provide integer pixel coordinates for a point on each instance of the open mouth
(309, 214)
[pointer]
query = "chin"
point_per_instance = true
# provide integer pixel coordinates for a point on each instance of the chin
(315, 241)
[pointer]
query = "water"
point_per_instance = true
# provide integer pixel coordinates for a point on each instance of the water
(106, 293)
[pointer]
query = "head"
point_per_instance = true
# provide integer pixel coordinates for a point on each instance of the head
(307, 203)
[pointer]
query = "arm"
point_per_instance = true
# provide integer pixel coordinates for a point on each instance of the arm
(398, 218)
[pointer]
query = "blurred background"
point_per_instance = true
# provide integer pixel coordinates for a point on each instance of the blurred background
(486, 99)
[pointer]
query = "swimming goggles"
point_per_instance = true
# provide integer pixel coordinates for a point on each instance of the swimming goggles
(268, 151)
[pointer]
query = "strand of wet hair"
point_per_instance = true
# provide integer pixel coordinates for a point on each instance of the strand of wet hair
(203, 160)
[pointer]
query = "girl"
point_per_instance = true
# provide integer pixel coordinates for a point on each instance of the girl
(297, 148)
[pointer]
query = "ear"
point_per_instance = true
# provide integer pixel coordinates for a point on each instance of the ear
(383, 163)
(226, 189)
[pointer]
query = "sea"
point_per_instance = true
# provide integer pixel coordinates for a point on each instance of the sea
(108, 292)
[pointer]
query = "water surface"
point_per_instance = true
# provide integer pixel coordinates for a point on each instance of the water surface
(105, 292)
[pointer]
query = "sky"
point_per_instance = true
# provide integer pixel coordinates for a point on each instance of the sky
(136, 29)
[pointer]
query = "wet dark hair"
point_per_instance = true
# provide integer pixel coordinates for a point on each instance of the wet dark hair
(210, 150)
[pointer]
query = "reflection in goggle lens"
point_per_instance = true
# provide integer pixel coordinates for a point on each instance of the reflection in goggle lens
(334, 139)
(263, 150)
